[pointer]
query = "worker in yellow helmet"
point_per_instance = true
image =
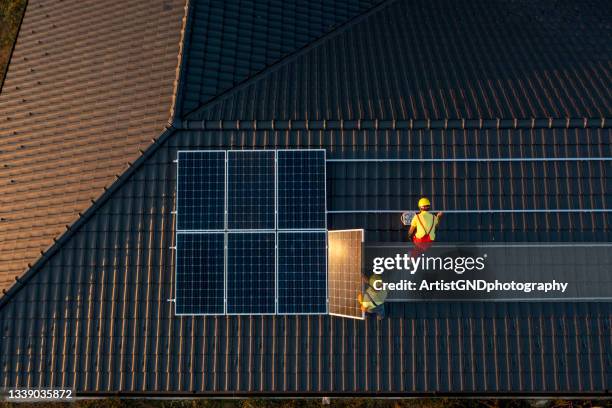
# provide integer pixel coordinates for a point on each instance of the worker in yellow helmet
(423, 227)
(373, 300)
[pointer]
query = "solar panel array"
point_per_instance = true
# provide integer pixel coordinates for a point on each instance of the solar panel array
(345, 272)
(251, 232)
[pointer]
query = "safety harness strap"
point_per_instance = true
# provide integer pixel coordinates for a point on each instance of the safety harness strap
(433, 223)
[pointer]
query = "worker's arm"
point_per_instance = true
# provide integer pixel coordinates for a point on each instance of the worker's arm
(439, 216)
(411, 231)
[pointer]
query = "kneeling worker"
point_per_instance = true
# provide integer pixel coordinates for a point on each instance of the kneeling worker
(372, 300)
(423, 227)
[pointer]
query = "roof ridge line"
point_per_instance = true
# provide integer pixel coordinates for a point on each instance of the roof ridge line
(291, 57)
(184, 43)
(393, 124)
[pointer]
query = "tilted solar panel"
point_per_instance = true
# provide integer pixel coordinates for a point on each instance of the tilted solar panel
(345, 272)
(301, 189)
(250, 189)
(302, 272)
(200, 273)
(201, 190)
(251, 273)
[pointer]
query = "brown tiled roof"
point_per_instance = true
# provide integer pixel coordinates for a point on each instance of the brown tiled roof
(89, 84)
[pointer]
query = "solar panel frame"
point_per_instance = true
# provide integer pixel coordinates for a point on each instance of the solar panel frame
(325, 276)
(177, 205)
(330, 271)
(324, 162)
(176, 273)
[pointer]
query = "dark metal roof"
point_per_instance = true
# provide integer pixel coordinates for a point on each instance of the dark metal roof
(229, 41)
(92, 313)
(442, 60)
(89, 84)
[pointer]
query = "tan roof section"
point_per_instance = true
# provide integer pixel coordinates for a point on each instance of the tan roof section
(90, 83)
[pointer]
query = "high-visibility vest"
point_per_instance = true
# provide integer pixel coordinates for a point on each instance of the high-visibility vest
(373, 298)
(425, 223)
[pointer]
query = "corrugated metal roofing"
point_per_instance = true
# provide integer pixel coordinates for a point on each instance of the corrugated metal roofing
(93, 313)
(89, 84)
(442, 59)
(230, 41)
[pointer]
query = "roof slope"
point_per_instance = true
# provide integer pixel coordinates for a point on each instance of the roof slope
(89, 84)
(231, 40)
(443, 59)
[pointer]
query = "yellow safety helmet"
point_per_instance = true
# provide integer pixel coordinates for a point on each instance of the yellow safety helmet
(424, 202)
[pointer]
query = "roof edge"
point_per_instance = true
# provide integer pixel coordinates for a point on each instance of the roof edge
(184, 42)
(290, 57)
(10, 57)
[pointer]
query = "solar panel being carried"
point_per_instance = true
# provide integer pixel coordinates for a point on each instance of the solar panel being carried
(250, 189)
(301, 189)
(200, 273)
(345, 272)
(201, 190)
(302, 272)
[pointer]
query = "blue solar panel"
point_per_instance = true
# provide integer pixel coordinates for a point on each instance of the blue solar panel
(200, 273)
(201, 191)
(251, 189)
(251, 273)
(302, 272)
(301, 189)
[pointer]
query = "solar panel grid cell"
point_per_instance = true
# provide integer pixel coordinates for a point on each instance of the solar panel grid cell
(302, 272)
(200, 273)
(251, 189)
(301, 189)
(251, 273)
(201, 190)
